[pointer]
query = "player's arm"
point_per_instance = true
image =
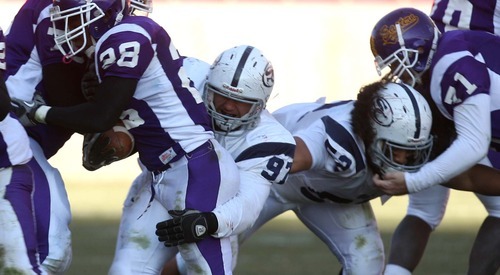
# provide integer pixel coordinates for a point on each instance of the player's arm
(479, 179)
(62, 83)
(473, 125)
(240, 212)
(302, 159)
(112, 96)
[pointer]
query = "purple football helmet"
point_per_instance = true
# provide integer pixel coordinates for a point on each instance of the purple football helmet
(404, 40)
(78, 21)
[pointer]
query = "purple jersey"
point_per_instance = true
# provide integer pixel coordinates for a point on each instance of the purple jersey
(166, 116)
(466, 65)
(30, 46)
(467, 15)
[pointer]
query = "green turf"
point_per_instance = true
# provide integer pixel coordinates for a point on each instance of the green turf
(282, 246)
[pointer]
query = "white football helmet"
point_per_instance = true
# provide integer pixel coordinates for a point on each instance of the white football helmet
(141, 7)
(402, 119)
(242, 74)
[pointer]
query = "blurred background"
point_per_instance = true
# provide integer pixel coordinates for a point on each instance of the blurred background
(318, 49)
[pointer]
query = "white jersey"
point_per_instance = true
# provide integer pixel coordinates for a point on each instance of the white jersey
(14, 143)
(264, 157)
(339, 171)
(263, 154)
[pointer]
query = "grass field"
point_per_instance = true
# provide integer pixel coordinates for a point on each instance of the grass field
(283, 246)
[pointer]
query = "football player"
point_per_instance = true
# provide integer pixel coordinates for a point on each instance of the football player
(18, 246)
(142, 82)
(455, 71)
(339, 146)
(34, 66)
(238, 85)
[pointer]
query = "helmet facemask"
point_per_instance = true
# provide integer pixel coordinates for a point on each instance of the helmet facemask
(79, 24)
(405, 41)
(384, 153)
(227, 124)
(67, 31)
(141, 7)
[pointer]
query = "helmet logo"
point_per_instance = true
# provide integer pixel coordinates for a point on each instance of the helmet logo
(232, 89)
(389, 34)
(268, 76)
(382, 112)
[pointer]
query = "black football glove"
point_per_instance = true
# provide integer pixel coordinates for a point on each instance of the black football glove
(186, 226)
(95, 152)
(25, 110)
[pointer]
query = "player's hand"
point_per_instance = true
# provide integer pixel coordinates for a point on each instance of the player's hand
(393, 183)
(25, 110)
(186, 226)
(89, 83)
(96, 152)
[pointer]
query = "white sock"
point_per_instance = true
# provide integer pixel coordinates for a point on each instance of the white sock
(392, 269)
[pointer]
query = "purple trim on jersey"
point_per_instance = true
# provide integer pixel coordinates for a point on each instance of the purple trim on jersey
(494, 157)
(145, 55)
(482, 17)
(472, 70)
(204, 178)
(341, 136)
(41, 200)
(50, 138)
(266, 149)
(4, 155)
(21, 39)
(202, 194)
(210, 249)
(151, 140)
(18, 193)
(495, 124)
(197, 111)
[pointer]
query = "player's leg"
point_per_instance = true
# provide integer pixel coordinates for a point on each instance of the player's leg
(212, 179)
(484, 258)
(18, 245)
(271, 209)
(425, 212)
(52, 213)
(138, 250)
(350, 231)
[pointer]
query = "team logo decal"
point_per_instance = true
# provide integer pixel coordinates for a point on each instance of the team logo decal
(382, 112)
(389, 34)
(268, 76)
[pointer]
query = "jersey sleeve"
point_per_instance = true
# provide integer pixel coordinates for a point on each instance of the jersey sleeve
(332, 147)
(124, 53)
(260, 166)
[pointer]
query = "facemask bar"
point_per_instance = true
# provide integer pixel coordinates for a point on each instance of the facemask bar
(406, 59)
(140, 7)
(384, 149)
(227, 124)
(64, 38)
